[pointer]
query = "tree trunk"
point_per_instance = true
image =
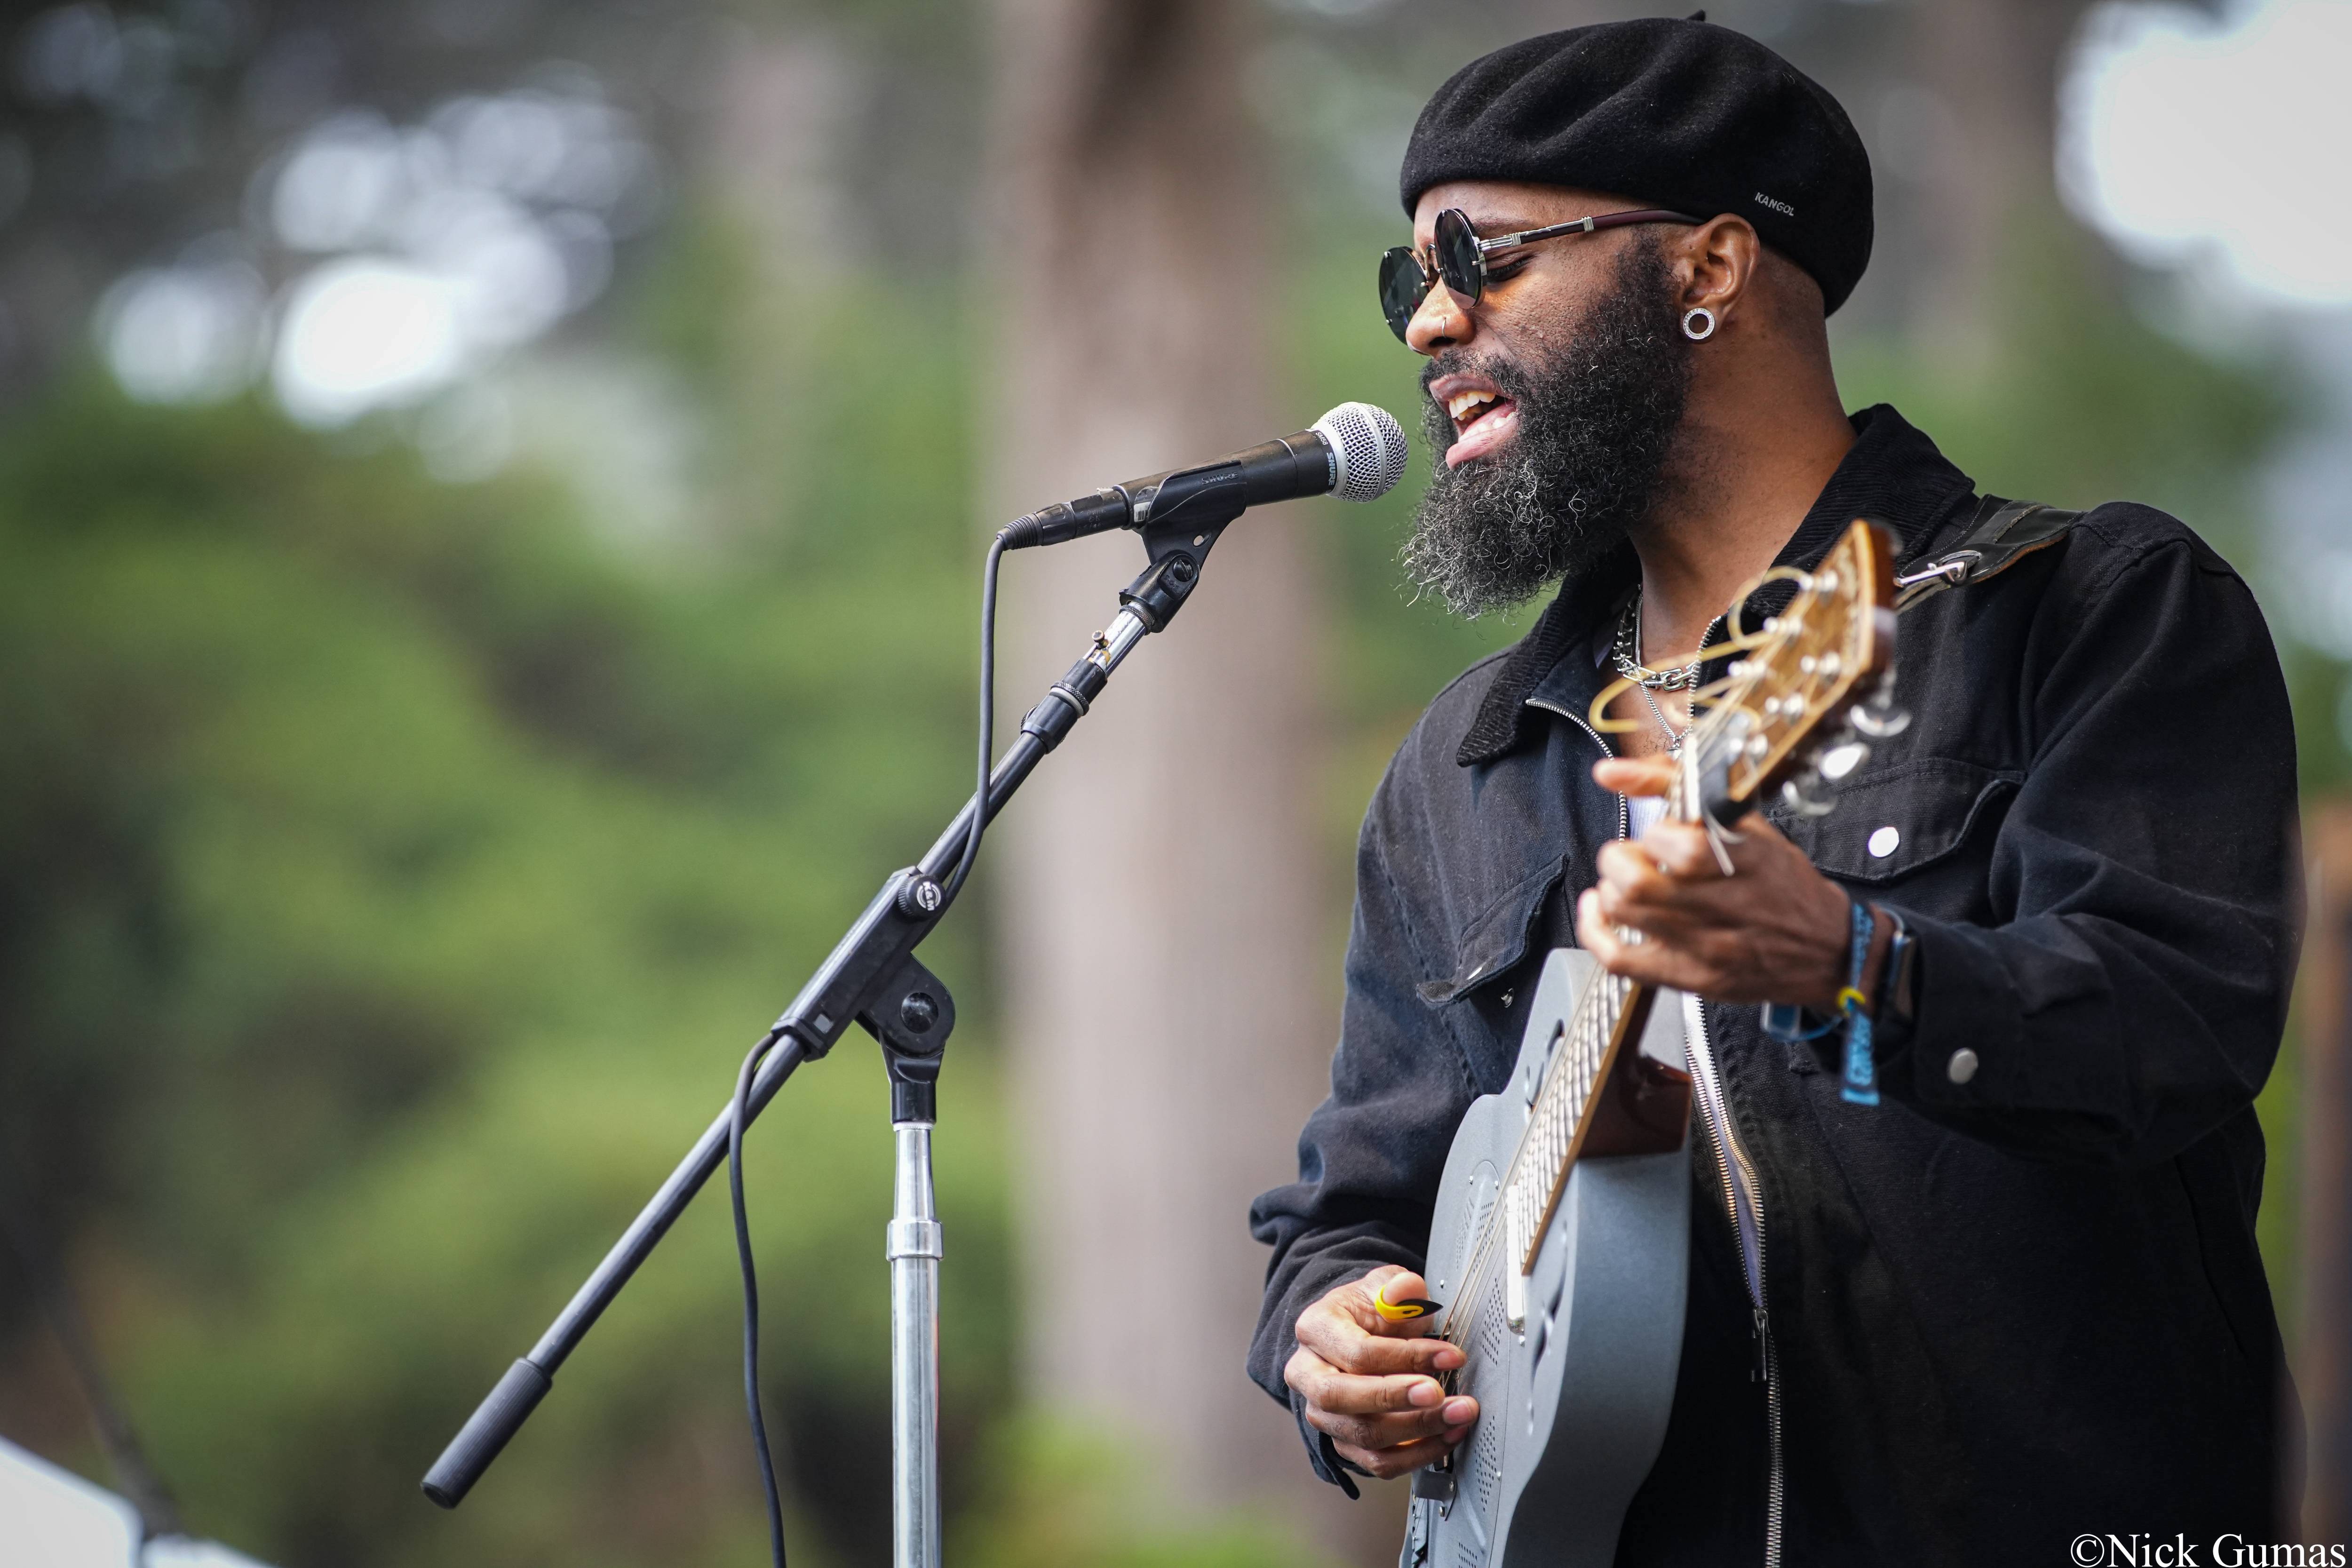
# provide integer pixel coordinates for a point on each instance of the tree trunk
(1171, 999)
(2323, 1364)
(1991, 192)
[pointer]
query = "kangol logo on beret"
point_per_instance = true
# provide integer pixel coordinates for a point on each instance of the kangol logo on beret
(1776, 207)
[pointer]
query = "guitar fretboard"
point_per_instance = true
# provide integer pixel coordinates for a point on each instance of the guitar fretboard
(1563, 1106)
(1557, 1120)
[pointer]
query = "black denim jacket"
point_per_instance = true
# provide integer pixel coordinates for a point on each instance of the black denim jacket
(2009, 1310)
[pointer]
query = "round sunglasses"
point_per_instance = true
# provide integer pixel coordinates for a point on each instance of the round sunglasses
(1460, 257)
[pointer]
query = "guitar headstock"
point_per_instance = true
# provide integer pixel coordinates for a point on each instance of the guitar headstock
(1819, 676)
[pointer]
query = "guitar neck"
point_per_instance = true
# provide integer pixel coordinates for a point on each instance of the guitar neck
(1563, 1107)
(1568, 1113)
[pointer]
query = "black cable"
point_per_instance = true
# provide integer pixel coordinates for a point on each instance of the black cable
(739, 1109)
(987, 719)
(738, 1117)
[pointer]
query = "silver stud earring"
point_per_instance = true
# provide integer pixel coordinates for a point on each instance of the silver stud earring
(1698, 323)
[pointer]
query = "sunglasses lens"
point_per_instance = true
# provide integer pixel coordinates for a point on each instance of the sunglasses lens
(1403, 286)
(1459, 265)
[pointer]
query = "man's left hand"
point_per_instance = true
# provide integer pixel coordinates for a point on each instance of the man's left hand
(1774, 931)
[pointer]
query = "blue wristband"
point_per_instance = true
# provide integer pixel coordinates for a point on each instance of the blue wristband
(1861, 1086)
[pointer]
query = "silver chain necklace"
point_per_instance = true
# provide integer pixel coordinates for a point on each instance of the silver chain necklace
(1657, 710)
(1625, 652)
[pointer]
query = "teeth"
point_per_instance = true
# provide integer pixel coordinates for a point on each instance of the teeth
(1462, 403)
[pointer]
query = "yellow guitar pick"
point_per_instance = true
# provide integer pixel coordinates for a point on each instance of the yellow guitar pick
(1400, 1311)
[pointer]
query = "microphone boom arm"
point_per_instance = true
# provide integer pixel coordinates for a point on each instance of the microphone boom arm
(870, 966)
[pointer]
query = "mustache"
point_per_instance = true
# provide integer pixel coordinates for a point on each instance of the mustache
(1510, 379)
(1504, 374)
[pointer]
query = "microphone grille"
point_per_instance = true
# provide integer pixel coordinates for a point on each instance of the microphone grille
(1368, 450)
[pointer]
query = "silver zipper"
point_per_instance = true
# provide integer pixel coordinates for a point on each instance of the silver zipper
(1748, 1227)
(1625, 811)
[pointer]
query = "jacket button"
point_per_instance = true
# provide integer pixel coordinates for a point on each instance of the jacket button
(1883, 842)
(1962, 1067)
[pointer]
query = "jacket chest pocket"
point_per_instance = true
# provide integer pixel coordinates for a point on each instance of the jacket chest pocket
(1912, 814)
(1492, 947)
(1493, 940)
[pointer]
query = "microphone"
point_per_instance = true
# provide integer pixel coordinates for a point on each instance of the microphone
(1355, 452)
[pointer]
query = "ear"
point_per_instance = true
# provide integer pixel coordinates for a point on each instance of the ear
(1716, 265)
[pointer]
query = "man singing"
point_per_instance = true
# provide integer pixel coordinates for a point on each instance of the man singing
(2019, 1301)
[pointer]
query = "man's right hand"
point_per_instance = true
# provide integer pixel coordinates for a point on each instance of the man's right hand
(1370, 1384)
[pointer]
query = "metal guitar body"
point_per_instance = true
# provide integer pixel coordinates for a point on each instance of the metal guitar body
(1572, 1401)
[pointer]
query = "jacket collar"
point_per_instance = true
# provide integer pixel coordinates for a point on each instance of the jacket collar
(1891, 474)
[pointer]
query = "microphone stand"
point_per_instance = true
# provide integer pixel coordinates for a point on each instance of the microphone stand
(873, 977)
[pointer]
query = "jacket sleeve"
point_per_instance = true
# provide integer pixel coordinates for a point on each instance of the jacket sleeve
(1372, 1153)
(2147, 872)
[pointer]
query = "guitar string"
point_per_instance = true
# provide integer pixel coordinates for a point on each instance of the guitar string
(1543, 1146)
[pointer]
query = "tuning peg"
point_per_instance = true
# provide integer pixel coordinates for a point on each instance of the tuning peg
(1798, 796)
(1881, 720)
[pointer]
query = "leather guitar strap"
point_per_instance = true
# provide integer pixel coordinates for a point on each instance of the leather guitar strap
(2002, 533)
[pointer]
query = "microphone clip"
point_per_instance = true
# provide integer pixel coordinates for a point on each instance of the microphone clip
(1188, 514)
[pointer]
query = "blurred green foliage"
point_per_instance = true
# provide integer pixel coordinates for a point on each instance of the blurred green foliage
(1053, 1496)
(393, 875)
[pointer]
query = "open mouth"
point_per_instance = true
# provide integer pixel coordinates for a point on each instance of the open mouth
(1484, 420)
(1466, 408)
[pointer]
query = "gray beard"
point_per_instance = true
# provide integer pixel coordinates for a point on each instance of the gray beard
(1596, 423)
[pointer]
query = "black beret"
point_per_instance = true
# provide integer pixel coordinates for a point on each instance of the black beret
(1683, 115)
